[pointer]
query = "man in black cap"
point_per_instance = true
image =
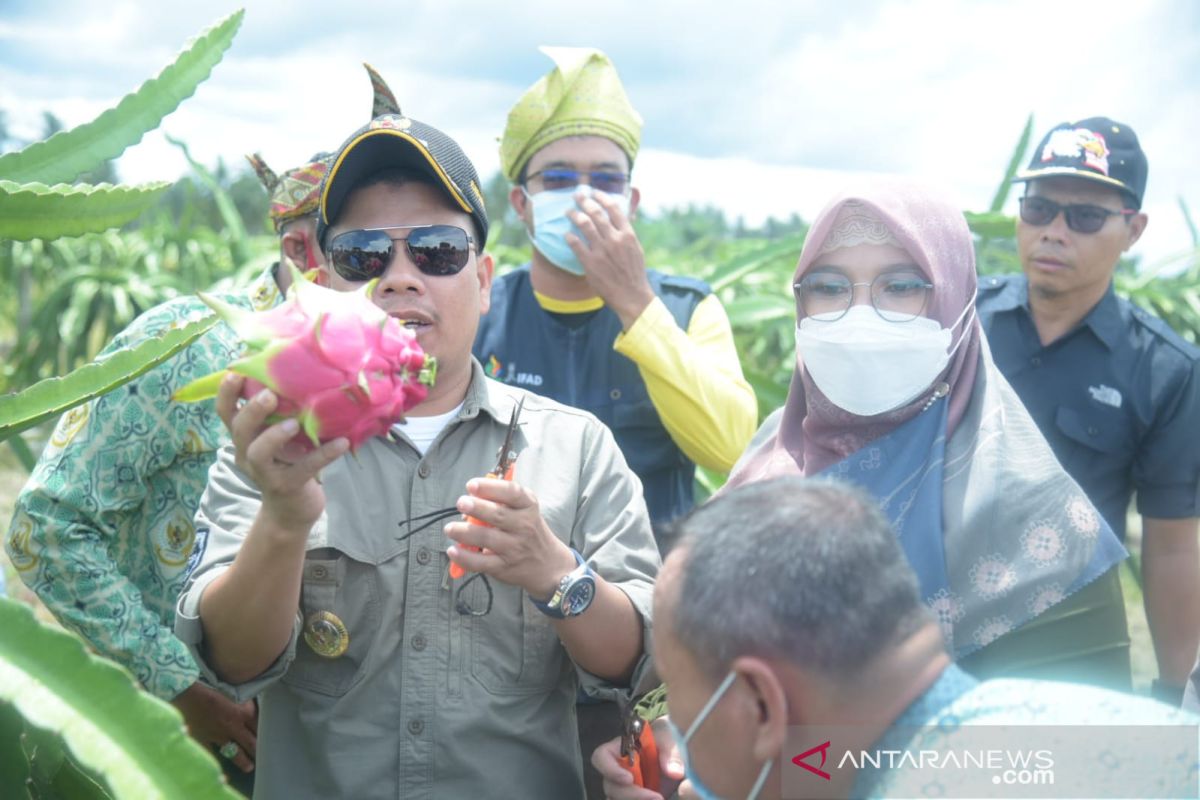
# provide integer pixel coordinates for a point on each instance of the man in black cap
(381, 672)
(1112, 387)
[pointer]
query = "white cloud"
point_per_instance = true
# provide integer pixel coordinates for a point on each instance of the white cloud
(757, 107)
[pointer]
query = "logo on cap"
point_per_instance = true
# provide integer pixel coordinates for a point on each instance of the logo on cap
(393, 122)
(1078, 143)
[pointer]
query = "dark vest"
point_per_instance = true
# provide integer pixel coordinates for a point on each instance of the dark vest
(521, 343)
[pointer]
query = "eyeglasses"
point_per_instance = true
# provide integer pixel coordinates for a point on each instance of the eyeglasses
(607, 182)
(897, 296)
(363, 254)
(1081, 217)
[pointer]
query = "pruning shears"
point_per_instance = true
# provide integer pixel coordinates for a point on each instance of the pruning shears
(639, 751)
(506, 461)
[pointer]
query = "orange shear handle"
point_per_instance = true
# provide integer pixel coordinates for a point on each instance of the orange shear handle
(457, 571)
(642, 761)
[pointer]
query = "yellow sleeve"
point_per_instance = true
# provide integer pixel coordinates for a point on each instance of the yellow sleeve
(695, 380)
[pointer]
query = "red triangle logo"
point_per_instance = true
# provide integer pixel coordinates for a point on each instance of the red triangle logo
(824, 751)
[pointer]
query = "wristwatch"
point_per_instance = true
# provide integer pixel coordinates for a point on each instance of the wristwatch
(574, 593)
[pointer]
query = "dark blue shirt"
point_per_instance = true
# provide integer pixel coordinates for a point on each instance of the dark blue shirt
(1118, 398)
(570, 358)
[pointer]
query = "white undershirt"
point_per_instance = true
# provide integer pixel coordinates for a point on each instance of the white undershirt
(421, 431)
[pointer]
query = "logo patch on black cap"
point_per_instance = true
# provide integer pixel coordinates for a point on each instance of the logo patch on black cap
(1078, 143)
(393, 122)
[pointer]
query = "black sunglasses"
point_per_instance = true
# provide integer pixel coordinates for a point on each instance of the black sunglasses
(1081, 217)
(363, 254)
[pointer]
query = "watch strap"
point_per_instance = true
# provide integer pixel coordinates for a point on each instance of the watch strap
(552, 607)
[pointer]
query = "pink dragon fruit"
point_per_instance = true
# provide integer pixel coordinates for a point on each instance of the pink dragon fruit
(338, 363)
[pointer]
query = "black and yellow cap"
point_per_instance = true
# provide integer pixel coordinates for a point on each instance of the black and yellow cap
(1097, 149)
(394, 140)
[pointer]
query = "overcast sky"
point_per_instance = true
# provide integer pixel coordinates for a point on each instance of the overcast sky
(756, 107)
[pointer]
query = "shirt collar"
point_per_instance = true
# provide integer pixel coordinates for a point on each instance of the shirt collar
(925, 710)
(487, 396)
(1105, 319)
(264, 291)
(1015, 295)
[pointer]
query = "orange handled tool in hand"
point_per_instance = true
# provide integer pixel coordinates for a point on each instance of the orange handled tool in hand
(506, 461)
(639, 751)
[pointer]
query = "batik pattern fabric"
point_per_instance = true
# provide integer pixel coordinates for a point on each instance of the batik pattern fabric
(295, 193)
(1090, 734)
(103, 529)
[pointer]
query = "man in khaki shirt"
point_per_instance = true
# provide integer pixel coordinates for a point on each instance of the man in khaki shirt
(323, 599)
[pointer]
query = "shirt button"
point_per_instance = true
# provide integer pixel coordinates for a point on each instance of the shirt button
(415, 727)
(1093, 430)
(422, 556)
(1036, 361)
(418, 642)
(615, 394)
(423, 471)
(319, 573)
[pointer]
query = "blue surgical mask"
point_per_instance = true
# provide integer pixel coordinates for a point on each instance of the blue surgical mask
(551, 225)
(682, 739)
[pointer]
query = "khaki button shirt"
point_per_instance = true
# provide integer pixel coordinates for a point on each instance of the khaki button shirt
(425, 702)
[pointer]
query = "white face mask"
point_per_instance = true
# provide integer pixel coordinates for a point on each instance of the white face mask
(867, 365)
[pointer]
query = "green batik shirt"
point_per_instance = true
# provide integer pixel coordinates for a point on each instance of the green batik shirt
(103, 529)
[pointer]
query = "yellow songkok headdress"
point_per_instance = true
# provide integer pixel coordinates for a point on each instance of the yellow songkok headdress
(581, 96)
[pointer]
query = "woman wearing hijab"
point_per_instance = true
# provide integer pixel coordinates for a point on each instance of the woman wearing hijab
(895, 389)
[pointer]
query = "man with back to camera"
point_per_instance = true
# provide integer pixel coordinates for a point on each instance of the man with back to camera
(1112, 387)
(789, 629)
(381, 674)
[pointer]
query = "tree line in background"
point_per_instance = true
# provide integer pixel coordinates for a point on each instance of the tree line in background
(62, 300)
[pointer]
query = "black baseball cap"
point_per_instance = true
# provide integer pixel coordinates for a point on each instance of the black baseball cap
(394, 140)
(1097, 149)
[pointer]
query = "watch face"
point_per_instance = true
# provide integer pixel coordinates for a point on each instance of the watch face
(579, 596)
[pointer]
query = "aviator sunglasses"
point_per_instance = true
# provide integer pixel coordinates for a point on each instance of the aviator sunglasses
(1081, 217)
(366, 253)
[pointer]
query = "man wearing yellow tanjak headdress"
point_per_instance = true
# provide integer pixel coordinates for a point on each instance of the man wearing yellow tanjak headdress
(585, 322)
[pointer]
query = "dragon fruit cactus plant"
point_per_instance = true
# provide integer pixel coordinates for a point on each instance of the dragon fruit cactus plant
(338, 363)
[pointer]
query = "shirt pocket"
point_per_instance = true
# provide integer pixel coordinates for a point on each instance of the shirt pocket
(1103, 433)
(339, 608)
(514, 649)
